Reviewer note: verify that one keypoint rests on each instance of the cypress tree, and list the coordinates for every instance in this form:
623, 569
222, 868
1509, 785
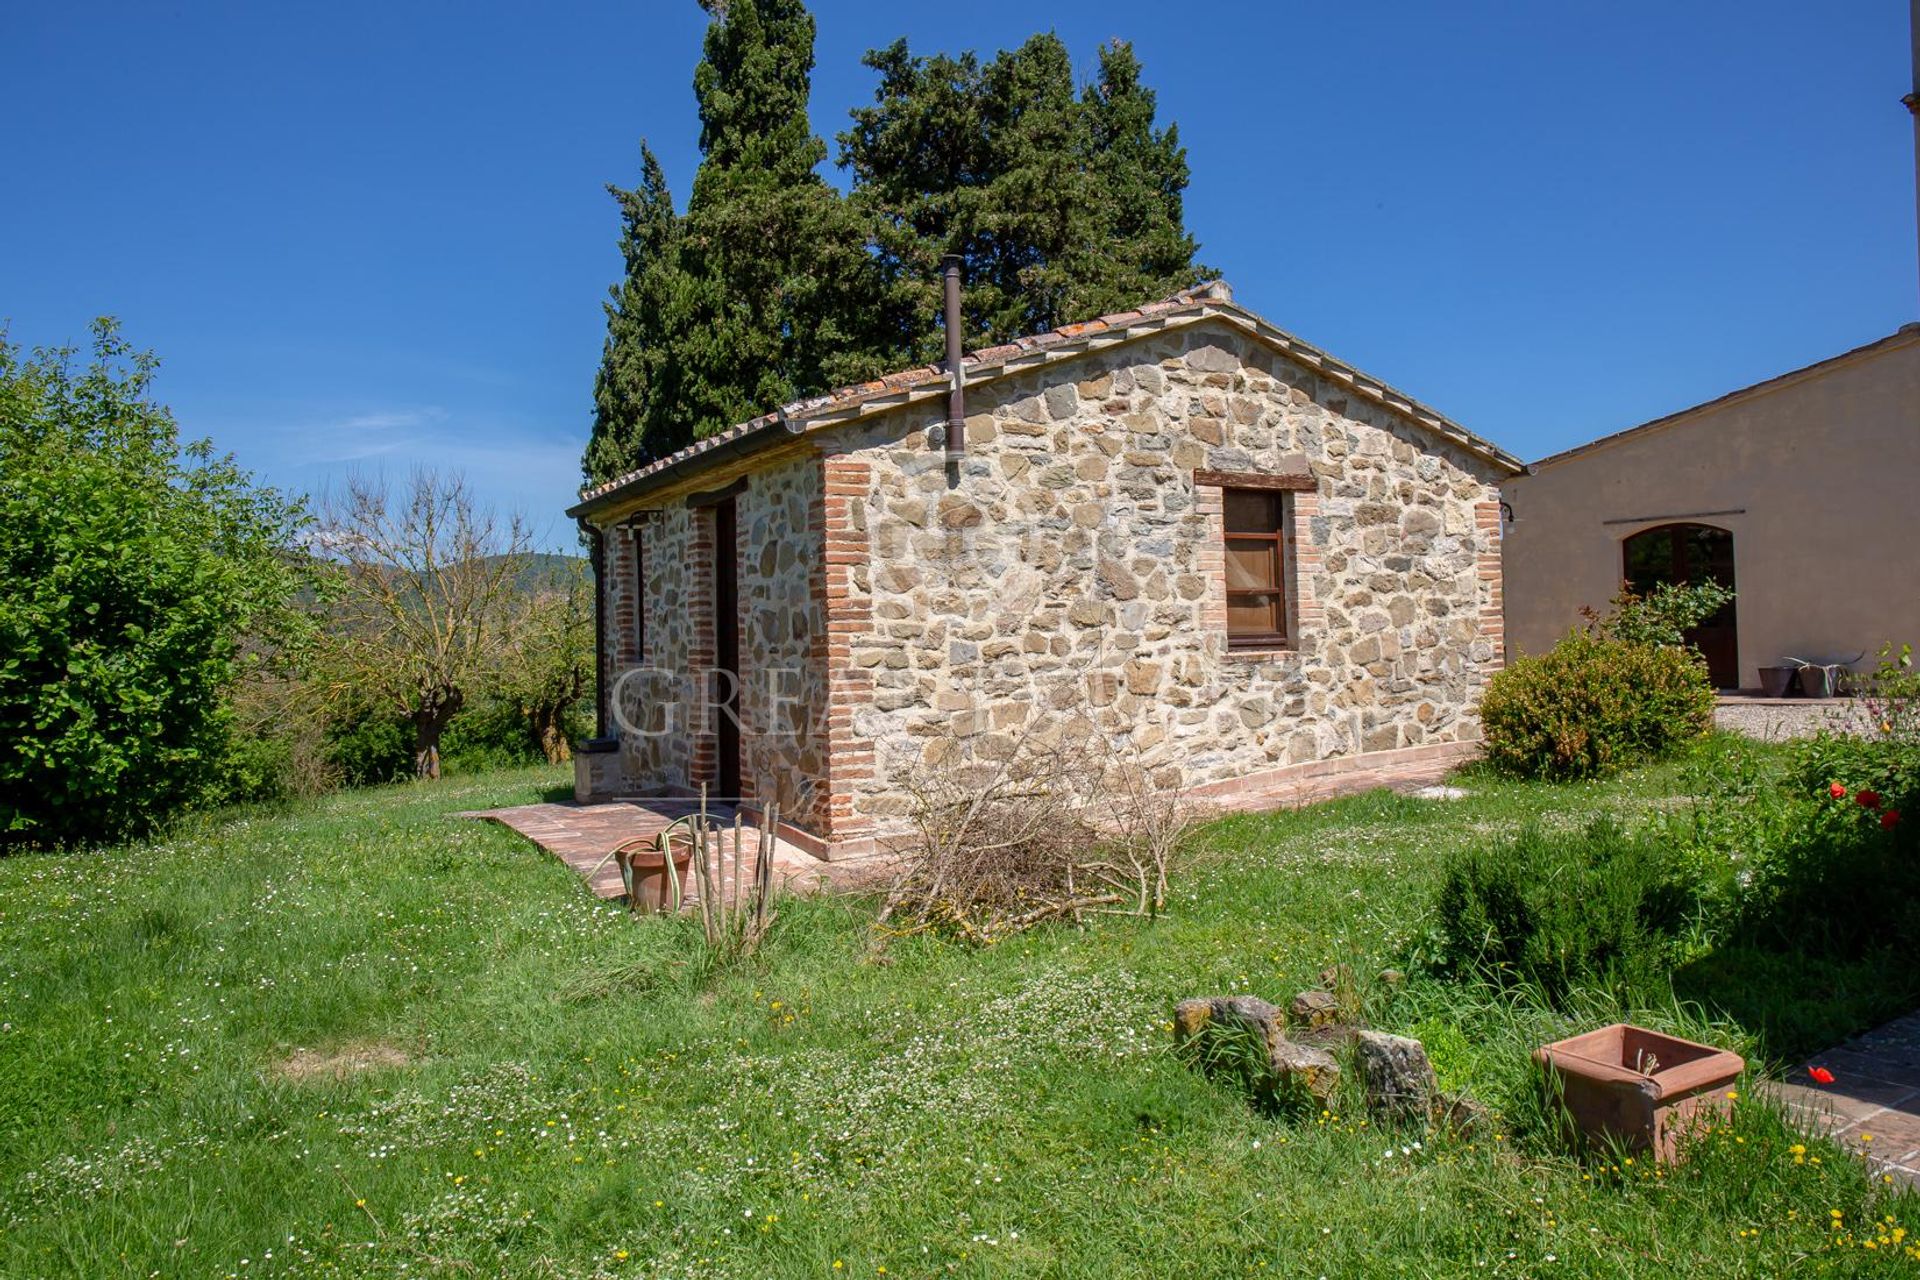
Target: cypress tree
774, 264
1062, 206
1063, 203
1138, 174
634, 365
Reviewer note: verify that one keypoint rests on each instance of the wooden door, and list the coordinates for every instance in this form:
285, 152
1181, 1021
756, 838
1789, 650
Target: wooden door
1688, 553
726, 648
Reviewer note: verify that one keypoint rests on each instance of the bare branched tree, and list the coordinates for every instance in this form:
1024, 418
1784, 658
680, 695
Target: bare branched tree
424, 603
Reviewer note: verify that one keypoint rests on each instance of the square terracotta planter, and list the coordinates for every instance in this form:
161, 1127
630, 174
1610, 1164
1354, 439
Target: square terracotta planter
1638, 1087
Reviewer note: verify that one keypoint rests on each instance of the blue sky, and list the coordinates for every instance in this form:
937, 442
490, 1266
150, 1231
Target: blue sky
374, 234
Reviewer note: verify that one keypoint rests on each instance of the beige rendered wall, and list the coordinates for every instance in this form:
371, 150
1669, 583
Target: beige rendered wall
1823, 471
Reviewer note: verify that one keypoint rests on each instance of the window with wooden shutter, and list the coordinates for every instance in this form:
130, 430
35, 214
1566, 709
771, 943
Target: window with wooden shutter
1256, 547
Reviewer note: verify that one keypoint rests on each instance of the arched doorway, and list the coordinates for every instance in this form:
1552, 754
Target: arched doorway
1682, 554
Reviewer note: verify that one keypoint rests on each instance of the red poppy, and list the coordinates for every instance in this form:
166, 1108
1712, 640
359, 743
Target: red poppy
1868, 799
1820, 1075
1837, 791
1889, 818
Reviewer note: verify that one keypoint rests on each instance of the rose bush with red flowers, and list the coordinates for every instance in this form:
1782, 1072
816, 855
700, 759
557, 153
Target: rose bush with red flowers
1842, 869
1817, 860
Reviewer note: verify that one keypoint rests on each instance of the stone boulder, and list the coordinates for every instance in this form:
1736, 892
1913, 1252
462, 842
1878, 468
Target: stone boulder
1275, 1069
1314, 1009
1305, 1068
1396, 1074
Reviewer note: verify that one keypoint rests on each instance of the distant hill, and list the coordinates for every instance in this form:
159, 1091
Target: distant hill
543, 571
547, 569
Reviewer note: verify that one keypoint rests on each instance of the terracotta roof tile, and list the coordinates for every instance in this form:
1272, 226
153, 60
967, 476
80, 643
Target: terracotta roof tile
1193, 299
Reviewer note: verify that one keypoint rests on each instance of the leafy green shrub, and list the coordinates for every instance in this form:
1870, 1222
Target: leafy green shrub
1662, 616
1843, 877
367, 747
139, 579
1890, 696
491, 734
1562, 911
1590, 705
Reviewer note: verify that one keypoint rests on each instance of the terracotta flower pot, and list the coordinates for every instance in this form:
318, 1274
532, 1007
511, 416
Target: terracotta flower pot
1638, 1087
645, 874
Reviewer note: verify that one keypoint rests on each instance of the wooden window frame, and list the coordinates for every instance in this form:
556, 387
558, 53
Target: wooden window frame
1282, 560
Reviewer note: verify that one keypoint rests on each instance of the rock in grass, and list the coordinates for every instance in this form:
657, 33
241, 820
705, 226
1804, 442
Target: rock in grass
1314, 1009
1301, 1068
1246, 1037
1396, 1073
1460, 1115
1191, 1018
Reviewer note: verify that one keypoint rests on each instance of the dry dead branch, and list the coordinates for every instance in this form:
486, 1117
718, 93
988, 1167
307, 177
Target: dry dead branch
1061, 824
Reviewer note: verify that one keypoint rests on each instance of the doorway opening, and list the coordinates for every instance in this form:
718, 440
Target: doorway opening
1684, 554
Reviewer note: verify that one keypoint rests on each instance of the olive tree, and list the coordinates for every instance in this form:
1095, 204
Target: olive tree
551, 666
423, 603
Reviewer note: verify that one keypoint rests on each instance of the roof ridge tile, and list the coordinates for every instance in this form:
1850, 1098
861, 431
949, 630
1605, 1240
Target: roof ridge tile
1199, 295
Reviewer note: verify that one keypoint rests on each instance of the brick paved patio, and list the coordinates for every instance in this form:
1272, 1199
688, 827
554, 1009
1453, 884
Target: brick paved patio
1873, 1104
581, 835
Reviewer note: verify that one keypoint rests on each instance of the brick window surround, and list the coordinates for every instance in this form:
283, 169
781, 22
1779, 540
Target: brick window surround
1257, 567
1295, 494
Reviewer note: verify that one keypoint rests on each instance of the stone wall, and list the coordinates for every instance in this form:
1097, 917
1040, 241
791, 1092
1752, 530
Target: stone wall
782, 630
668, 742
652, 689
1073, 562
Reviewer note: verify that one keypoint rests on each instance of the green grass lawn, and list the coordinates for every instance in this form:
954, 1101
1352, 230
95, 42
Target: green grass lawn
530, 1083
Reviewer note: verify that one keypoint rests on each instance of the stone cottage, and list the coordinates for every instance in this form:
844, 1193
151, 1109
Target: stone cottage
1251, 564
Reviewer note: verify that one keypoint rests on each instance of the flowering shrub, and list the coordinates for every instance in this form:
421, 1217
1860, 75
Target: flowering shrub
1825, 853
1593, 704
1662, 616
1891, 695
1842, 875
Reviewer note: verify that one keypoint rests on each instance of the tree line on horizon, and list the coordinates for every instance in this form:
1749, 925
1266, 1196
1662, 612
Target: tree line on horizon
1063, 201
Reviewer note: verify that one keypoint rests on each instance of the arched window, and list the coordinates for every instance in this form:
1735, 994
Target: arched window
1688, 553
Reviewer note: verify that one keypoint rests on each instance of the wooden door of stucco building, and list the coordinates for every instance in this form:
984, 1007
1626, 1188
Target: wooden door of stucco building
1688, 553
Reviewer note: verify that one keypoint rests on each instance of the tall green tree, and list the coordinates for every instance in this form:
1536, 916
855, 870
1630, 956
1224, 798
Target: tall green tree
139, 578
774, 263
1062, 204
635, 369
1138, 177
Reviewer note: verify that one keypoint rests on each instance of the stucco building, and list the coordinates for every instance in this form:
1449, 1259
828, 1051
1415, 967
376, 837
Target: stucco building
1799, 492
1242, 558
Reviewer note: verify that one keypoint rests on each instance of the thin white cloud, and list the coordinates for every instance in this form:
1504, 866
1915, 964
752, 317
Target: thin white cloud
362, 437
390, 420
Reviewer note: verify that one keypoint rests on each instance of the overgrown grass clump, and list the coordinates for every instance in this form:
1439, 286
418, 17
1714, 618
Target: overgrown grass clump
1557, 910
366, 1038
